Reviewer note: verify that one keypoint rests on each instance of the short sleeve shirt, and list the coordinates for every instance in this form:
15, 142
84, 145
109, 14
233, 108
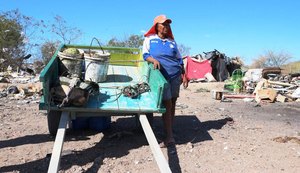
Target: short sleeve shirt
166, 52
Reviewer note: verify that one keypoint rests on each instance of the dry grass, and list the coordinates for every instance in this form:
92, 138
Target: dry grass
293, 67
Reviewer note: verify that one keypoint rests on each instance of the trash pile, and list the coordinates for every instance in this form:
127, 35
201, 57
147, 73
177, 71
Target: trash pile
213, 66
261, 85
25, 86
277, 87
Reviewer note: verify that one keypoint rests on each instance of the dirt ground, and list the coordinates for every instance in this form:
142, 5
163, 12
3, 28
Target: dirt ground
211, 136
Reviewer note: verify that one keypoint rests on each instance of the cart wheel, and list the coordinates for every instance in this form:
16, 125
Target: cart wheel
53, 118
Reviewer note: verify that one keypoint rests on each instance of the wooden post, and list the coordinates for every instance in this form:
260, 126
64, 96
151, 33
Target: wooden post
156, 151
58, 144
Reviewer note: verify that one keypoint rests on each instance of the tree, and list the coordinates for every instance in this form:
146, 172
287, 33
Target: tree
184, 51
259, 62
20, 33
114, 42
11, 42
277, 59
48, 49
271, 59
66, 33
134, 41
38, 65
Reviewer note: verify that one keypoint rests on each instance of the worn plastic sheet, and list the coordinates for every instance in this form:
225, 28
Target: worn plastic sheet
197, 69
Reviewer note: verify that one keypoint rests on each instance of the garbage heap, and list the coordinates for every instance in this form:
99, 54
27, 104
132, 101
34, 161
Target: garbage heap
20, 86
264, 85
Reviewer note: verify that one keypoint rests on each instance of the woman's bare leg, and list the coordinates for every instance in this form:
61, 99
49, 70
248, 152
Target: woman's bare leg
167, 121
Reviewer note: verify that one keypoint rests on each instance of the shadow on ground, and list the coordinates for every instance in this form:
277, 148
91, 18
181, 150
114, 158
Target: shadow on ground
124, 133
188, 129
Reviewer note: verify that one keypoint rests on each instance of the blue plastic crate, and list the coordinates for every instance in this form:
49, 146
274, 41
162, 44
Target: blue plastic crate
80, 123
99, 123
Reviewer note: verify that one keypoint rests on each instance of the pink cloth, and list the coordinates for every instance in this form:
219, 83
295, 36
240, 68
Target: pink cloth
196, 69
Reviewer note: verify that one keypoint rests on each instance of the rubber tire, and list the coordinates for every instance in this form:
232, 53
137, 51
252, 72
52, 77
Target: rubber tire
53, 118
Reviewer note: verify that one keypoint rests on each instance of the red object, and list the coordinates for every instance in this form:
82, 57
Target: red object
159, 19
197, 69
239, 96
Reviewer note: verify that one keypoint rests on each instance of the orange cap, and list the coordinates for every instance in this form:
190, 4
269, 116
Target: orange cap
159, 19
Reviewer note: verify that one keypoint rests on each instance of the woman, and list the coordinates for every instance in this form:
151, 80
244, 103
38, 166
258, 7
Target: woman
160, 48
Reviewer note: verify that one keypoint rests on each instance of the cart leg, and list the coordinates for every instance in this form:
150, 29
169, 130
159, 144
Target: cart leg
58, 144
150, 118
156, 151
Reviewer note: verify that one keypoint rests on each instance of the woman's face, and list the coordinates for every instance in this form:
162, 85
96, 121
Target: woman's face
163, 28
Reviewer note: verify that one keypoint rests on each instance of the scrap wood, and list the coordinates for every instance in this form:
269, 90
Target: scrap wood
266, 94
279, 83
281, 98
217, 94
239, 96
31, 87
289, 96
262, 83
28, 88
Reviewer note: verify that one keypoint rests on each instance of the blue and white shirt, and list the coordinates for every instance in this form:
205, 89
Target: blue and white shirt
166, 52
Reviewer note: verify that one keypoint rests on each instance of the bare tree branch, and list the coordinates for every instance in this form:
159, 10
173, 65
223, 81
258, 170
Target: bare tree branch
271, 59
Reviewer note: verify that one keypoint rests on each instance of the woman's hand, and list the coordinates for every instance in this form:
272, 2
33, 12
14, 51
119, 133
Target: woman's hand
185, 81
156, 64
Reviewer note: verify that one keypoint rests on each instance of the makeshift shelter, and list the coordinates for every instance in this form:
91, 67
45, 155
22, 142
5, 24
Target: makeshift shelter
197, 69
219, 64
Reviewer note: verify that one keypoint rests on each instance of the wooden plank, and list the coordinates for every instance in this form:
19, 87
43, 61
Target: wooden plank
281, 98
237, 96
58, 144
267, 94
156, 151
280, 83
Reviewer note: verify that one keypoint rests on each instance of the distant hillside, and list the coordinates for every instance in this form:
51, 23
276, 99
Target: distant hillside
293, 67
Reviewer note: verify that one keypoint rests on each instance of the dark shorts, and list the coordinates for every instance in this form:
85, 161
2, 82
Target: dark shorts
172, 90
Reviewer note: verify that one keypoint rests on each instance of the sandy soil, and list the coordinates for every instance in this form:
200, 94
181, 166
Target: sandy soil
211, 136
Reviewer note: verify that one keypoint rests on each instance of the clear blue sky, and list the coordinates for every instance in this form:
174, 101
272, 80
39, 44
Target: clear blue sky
246, 28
